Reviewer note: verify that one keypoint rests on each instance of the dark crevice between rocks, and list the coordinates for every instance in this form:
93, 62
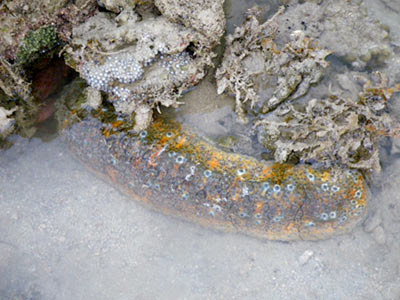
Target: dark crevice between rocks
48, 79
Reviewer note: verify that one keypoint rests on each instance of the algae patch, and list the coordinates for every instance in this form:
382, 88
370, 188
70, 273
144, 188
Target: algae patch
36, 43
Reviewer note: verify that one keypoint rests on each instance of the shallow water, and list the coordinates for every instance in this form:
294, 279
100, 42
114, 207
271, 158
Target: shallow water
65, 234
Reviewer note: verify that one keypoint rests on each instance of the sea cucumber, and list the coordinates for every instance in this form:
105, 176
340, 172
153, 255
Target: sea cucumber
174, 171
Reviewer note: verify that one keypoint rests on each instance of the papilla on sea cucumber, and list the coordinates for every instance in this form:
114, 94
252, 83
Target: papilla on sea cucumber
174, 171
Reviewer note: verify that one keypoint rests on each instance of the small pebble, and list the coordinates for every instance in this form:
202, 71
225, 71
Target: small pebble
305, 257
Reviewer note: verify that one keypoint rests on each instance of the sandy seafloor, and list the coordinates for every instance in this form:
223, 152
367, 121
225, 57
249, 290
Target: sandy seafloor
65, 234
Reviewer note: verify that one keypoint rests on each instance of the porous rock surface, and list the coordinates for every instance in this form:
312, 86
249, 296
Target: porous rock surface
142, 58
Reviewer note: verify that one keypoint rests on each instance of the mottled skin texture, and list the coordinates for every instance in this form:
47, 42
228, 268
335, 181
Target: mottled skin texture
175, 172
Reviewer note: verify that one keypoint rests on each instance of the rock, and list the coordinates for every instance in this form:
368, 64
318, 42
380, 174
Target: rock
343, 26
93, 98
32, 33
6, 121
141, 62
202, 15
305, 257
117, 5
257, 71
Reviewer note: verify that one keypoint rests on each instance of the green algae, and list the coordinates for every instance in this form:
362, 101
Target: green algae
36, 43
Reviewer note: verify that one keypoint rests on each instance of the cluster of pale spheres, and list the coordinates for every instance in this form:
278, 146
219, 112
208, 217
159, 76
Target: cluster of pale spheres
119, 70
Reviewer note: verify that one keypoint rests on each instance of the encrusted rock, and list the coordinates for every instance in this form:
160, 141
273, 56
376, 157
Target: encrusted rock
32, 31
118, 5
147, 60
272, 69
260, 72
333, 130
202, 15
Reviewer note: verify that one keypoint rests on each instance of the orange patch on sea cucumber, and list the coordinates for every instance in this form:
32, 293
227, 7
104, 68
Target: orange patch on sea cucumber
290, 226
325, 176
213, 163
164, 140
116, 124
259, 207
175, 171
266, 173
181, 142
106, 133
152, 160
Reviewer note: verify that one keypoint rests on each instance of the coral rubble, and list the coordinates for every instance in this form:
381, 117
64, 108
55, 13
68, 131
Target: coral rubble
334, 130
271, 68
256, 70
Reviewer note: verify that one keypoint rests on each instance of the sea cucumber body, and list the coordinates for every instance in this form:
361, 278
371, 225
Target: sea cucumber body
172, 170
